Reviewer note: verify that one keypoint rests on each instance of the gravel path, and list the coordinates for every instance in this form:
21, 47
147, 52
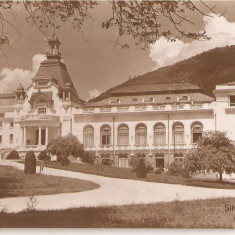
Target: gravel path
112, 191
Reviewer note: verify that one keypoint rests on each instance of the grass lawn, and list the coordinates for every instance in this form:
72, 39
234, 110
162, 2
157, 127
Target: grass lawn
126, 173
190, 214
14, 182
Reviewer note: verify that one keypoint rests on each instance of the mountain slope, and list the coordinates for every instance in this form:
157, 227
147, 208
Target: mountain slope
207, 69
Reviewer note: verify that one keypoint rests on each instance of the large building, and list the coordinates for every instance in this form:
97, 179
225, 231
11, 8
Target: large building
161, 121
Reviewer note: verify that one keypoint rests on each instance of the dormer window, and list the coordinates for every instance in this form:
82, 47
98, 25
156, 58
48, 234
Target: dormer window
42, 110
148, 100
42, 83
232, 100
116, 101
66, 95
184, 97
135, 99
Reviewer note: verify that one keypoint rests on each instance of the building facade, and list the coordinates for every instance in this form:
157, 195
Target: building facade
160, 121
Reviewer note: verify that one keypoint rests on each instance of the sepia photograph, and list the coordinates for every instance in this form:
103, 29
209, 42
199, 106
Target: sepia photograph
117, 114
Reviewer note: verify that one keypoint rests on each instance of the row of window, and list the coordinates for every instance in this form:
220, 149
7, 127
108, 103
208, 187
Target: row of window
178, 134
11, 137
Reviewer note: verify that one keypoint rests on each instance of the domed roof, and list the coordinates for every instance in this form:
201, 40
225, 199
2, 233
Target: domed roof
53, 39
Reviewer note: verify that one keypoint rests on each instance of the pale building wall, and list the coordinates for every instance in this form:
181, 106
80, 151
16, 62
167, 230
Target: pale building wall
225, 115
206, 118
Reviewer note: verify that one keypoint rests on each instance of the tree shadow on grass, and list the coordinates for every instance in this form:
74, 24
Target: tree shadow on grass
71, 218
8, 182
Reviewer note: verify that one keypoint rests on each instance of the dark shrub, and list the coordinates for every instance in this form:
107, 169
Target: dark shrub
141, 169
134, 163
64, 160
149, 166
43, 156
176, 168
106, 161
88, 157
30, 163
159, 170
13, 155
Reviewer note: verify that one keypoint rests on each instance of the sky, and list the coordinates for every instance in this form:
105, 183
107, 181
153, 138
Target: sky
93, 63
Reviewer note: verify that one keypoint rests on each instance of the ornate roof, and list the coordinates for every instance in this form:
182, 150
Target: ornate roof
56, 70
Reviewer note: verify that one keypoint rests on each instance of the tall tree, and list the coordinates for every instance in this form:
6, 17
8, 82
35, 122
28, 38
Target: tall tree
65, 146
215, 152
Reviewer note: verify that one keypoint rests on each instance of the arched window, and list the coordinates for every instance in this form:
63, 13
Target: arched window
123, 135
196, 132
88, 136
106, 135
178, 133
141, 135
159, 134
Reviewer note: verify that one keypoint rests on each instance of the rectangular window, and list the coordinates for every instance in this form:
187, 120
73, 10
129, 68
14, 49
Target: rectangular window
179, 159
141, 139
232, 100
178, 137
0, 139
0, 124
42, 110
11, 138
11, 124
123, 139
159, 138
105, 140
88, 140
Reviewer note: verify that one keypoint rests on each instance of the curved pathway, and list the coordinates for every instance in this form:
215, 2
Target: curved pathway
112, 191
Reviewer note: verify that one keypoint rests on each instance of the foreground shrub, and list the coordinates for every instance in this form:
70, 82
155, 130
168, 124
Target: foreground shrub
107, 162
141, 169
176, 168
64, 160
43, 156
66, 146
149, 166
30, 163
159, 170
133, 162
88, 157
13, 155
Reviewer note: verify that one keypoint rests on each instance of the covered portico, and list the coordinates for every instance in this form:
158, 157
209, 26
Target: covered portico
38, 131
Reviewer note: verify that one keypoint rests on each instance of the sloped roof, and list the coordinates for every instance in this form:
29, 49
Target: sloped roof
57, 70
142, 88
157, 99
7, 99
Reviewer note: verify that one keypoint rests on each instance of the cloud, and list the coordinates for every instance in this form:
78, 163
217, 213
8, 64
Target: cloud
36, 61
94, 93
219, 29
10, 79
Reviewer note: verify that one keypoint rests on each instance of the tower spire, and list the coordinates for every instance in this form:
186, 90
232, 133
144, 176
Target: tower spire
53, 51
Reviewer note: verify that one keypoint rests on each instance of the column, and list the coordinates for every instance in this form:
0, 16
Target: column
46, 137
39, 135
24, 135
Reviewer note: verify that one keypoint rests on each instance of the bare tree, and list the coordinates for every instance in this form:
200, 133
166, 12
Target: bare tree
143, 20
